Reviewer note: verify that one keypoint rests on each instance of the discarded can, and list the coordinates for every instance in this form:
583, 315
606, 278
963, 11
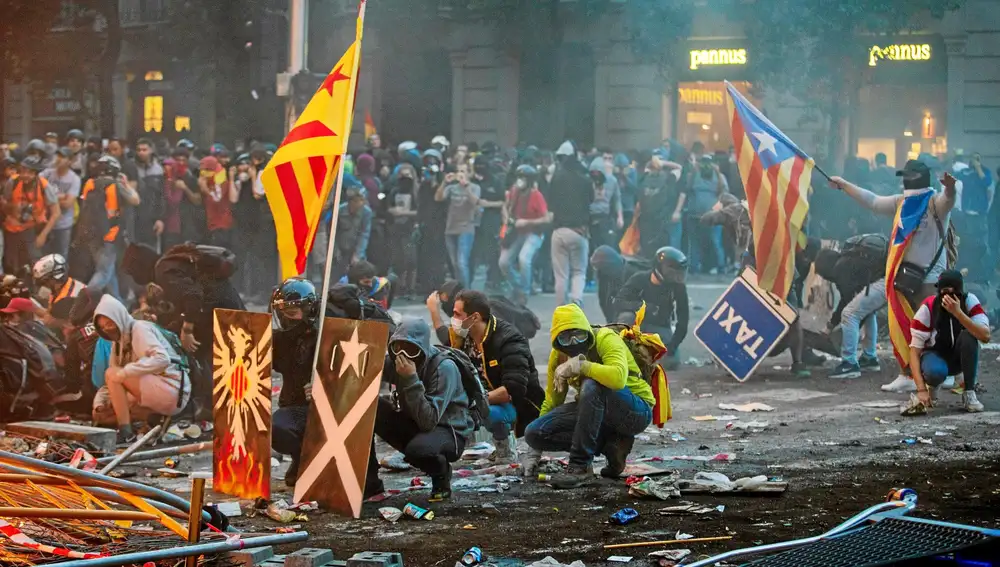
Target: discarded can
544, 477
170, 463
473, 557
624, 516
418, 513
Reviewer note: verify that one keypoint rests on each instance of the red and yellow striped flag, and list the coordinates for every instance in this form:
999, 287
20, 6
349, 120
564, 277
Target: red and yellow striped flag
299, 177
370, 129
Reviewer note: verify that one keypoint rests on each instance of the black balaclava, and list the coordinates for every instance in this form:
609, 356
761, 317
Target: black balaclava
947, 326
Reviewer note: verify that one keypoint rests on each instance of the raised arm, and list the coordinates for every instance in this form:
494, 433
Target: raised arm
885, 206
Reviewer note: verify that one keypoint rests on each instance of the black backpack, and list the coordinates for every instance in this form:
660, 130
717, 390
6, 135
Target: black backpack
865, 255
479, 406
28, 375
346, 301
521, 317
211, 262
93, 223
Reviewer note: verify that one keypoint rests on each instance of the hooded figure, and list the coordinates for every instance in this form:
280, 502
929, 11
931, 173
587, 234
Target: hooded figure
613, 402
612, 271
144, 371
432, 420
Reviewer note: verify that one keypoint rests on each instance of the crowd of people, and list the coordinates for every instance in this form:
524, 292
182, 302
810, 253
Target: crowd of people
117, 258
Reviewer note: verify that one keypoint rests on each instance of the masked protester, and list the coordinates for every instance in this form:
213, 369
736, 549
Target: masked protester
377, 289
706, 185
946, 332
183, 213
403, 232
99, 229
664, 293
923, 238
525, 215
52, 272
462, 195
613, 403
218, 193
433, 266
506, 367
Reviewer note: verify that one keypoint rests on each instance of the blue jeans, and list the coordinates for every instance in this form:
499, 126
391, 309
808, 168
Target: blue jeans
459, 252
706, 238
581, 427
675, 230
936, 366
861, 311
105, 265
502, 418
515, 262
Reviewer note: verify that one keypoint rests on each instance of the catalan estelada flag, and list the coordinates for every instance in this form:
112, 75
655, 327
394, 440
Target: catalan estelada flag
777, 177
300, 175
652, 347
911, 210
370, 129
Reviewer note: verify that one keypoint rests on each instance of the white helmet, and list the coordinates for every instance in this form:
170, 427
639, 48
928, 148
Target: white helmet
51, 267
440, 140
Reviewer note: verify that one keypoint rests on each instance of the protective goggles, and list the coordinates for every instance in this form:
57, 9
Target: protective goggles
573, 337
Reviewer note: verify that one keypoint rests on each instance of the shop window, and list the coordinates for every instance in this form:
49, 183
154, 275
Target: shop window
152, 114
182, 123
154, 75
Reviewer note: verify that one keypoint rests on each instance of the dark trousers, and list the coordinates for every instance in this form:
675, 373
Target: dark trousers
936, 366
430, 451
288, 428
222, 237
19, 253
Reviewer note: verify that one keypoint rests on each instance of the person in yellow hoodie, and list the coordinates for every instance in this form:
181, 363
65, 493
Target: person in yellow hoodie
613, 403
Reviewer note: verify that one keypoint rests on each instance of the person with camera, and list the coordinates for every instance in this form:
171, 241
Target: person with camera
921, 231
31, 209
460, 227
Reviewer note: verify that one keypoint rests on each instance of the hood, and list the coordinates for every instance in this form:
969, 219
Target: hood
116, 311
597, 164
566, 149
567, 317
406, 166
416, 331
365, 165
606, 258
621, 160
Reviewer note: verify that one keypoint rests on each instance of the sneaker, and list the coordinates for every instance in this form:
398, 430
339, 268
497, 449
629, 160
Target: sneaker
810, 358
125, 435
948, 383
913, 407
972, 403
903, 384
529, 463
800, 370
503, 455
574, 477
869, 363
845, 370
616, 450
292, 474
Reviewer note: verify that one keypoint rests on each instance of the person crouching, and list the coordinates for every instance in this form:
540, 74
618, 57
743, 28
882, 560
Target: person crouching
613, 403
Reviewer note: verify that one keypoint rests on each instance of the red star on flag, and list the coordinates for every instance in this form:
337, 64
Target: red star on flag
332, 78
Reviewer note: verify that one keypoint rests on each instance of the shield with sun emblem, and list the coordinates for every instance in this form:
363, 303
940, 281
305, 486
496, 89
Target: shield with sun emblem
241, 377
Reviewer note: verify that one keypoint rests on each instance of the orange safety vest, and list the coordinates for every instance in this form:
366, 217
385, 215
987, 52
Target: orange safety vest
70, 290
40, 212
110, 203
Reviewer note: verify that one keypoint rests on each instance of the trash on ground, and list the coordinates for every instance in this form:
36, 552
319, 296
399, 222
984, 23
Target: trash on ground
667, 557
552, 562
925, 441
743, 426
686, 508
677, 437
472, 557
715, 482
714, 417
880, 405
394, 462
391, 514
620, 559
624, 516
418, 513
683, 536
478, 451
230, 509
940, 433
686, 392
663, 489
746, 408
702, 396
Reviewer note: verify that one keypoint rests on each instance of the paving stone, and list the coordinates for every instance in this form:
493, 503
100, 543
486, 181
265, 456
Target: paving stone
100, 437
309, 557
252, 556
375, 559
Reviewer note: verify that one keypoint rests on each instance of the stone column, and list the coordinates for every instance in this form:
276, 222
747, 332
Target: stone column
458, 97
508, 94
955, 47
602, 83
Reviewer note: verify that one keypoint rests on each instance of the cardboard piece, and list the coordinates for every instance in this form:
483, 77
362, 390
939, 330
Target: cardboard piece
241, 378
334, 460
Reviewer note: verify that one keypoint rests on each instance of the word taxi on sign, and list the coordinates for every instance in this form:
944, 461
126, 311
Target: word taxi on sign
744, 325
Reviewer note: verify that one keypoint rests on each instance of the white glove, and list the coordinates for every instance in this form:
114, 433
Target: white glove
569, 369
559, 382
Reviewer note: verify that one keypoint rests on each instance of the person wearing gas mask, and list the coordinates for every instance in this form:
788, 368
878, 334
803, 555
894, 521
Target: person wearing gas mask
402, 229
664, 293
613, 403
946, 335
433, 265
705, 186
921, 233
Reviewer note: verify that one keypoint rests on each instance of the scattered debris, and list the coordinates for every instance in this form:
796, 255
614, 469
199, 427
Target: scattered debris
880, 405
620, 559
924, 441
677, 437
478, 451
686, 392
940, 433
702, 396
668, 557
394, 462
663, 489
683, 536
230, 509
714, 417
758, 425
624, 516
551, 562
418, 513
686, 508
746, 408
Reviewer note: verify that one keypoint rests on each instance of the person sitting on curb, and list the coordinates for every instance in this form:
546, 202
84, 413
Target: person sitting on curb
945, 334
429, 419
144, 376
613, 403
506, 367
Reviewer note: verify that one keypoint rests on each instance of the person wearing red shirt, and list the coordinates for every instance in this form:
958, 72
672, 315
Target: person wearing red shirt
218, 194
525, 215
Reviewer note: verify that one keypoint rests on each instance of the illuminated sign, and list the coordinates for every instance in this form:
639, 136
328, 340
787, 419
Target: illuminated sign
921, 52
700, 57
701, 96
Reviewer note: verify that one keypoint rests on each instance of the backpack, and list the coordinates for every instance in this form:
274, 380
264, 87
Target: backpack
479, 406
93, 222
28, 374
346, 301
865, 255
521, 317
189, 365
645, 357
211, 262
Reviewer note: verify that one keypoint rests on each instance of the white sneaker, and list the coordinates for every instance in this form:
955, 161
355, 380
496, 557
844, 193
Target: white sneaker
901, 385
502, 455
948, 383
972, 403
529, 463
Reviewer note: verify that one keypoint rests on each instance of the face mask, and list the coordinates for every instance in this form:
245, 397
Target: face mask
244, 177
520, 184
574, 351
921, 182
457, 326
405, 183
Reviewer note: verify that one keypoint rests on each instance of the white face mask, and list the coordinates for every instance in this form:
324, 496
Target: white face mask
456, 325
244, 176
520, 184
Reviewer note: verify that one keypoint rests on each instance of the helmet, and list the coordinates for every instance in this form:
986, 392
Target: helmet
75, 134
432, 153
529, 173
671, 265
185, 143
35, 145
293, 304
51, 267
440, 141
108, 165
33, 163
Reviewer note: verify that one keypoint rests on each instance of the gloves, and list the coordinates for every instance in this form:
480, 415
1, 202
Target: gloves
569, 369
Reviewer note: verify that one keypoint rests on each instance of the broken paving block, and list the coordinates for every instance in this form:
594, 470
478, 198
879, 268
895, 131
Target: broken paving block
252, 556
308, 557
375, 559
101, 438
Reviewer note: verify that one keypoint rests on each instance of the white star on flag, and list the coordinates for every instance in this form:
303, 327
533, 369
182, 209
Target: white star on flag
765, 142
352, 354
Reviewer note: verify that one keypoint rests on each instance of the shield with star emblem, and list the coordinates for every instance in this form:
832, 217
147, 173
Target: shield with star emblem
241, 376
341, 419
